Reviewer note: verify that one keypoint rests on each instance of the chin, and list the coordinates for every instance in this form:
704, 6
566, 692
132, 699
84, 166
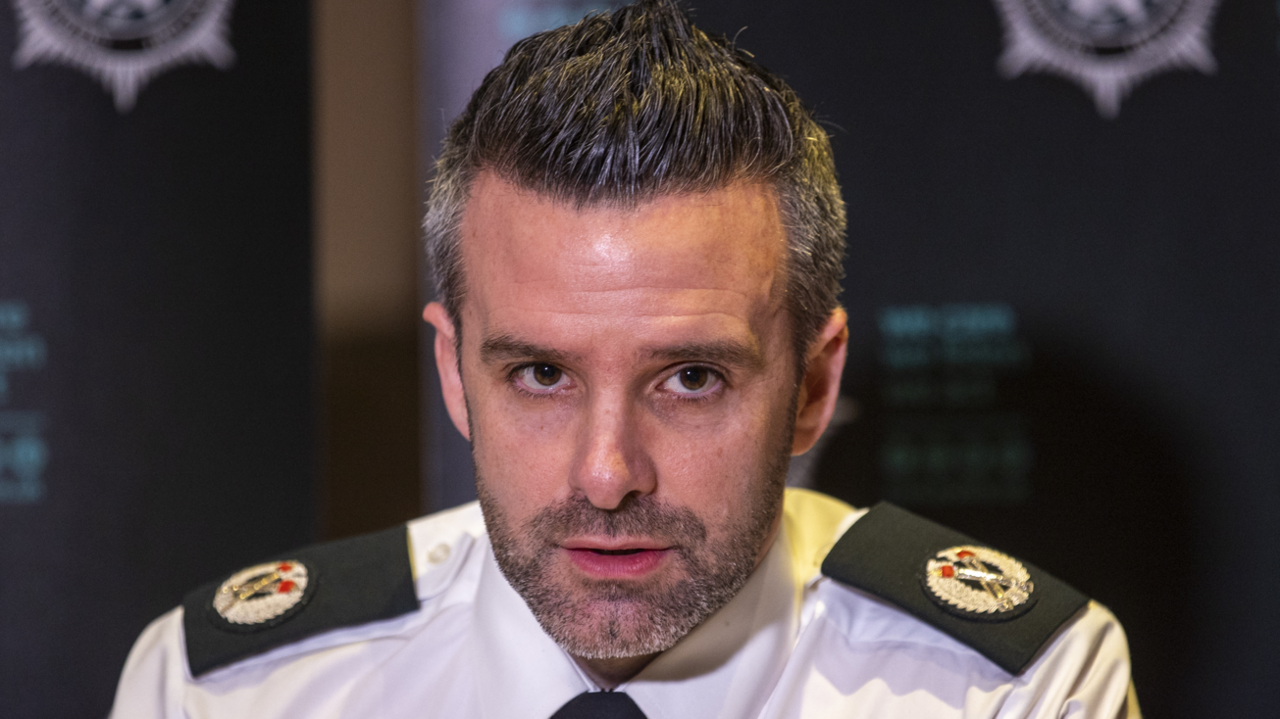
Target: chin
614, 620
614, 629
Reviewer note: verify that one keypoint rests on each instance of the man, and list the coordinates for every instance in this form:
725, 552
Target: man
637, 235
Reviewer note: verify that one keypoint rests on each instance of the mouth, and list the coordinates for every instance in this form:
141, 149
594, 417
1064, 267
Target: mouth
616, 559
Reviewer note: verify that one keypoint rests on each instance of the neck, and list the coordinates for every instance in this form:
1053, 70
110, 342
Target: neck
609, 673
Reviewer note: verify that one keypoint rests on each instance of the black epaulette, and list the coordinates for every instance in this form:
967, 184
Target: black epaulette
1005, 609
302, 593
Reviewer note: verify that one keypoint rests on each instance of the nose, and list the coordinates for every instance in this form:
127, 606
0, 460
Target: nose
611, 463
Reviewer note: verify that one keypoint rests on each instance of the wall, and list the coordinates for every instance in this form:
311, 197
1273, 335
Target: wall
367, 247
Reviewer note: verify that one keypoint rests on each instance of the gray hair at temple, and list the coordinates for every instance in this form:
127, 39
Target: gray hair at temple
634, 104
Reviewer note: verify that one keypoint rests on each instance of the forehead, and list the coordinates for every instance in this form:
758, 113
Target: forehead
718, 252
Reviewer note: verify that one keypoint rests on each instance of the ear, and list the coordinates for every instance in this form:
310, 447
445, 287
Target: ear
447, 365
820, 385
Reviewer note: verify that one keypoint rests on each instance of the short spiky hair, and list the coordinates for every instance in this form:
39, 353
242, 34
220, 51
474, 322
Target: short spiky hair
633, 104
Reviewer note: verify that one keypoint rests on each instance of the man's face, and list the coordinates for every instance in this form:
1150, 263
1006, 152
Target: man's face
628, 385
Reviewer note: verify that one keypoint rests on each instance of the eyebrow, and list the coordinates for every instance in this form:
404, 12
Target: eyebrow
725, 352
502, 347
505, 347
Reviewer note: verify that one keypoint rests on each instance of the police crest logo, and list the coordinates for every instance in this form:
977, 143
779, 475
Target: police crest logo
1108, 47
263, 595
123, 43
978, 583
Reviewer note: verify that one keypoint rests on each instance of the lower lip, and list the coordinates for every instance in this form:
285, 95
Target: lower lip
617, 566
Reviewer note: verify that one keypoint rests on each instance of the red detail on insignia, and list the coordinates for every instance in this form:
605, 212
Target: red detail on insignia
948, 571
285, 587
964, 554
284, 567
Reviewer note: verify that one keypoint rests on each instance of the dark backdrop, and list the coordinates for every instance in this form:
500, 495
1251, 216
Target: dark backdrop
1064, 329
160, 261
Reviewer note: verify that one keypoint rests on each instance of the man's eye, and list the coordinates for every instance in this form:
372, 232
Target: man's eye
546, 375
539, 377
693, 380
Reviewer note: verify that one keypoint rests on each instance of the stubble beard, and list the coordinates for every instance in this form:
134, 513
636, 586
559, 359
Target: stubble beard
603, 619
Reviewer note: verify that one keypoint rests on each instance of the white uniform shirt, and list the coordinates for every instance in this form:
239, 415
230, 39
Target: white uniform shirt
791, 644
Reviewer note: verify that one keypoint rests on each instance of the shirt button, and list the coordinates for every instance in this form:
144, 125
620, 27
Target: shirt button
438, 553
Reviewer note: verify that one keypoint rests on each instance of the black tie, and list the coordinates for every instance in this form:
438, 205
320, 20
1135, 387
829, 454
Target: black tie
600, 705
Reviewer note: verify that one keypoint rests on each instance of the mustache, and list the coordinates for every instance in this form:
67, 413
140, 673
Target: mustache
636, 516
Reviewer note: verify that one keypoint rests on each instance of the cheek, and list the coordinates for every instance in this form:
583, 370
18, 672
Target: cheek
522, 454
715, 470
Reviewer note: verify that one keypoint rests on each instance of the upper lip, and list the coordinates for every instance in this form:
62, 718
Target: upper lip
613, 544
